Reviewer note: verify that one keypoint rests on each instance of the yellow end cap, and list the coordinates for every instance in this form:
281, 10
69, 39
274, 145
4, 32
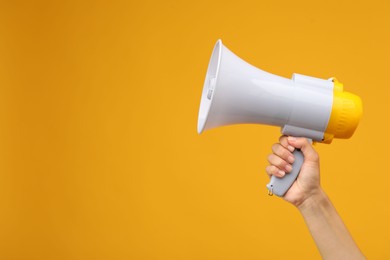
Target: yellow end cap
345, 116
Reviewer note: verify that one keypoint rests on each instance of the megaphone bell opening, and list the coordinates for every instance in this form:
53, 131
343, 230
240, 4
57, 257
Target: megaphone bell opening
209, 86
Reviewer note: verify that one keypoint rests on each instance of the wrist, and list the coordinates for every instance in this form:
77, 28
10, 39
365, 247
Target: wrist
317, 198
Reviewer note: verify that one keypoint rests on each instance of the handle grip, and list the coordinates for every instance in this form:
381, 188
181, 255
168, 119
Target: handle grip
280, 185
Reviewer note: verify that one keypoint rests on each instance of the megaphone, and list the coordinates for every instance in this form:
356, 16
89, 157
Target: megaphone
236, 92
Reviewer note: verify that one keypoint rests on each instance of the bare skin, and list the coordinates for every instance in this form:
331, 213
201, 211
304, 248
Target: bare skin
331, 236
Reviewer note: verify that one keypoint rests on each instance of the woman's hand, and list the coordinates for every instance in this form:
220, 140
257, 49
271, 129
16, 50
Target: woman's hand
281, 159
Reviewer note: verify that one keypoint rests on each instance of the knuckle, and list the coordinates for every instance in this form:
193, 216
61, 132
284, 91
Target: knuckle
315, 157
276, 148
283, 140
273, 170
270, 170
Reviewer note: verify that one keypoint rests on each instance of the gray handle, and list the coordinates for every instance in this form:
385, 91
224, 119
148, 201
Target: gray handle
279, 186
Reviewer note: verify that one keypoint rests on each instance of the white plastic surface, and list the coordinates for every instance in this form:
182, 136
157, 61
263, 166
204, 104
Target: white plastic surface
236, 92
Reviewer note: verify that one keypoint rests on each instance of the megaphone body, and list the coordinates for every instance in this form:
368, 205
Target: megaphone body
236, 92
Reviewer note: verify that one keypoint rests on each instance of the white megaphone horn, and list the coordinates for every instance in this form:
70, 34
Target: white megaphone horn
236, 92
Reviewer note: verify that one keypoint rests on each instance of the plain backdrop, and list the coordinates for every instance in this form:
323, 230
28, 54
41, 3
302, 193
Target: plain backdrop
99, 153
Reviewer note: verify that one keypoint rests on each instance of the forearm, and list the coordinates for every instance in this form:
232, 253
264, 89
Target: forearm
331, 236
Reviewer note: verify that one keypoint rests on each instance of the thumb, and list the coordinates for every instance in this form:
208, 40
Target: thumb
307, 149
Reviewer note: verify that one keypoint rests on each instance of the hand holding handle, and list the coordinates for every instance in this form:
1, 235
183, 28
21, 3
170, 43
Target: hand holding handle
280, 185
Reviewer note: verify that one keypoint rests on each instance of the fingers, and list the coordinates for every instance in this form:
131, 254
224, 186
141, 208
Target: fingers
283, 140
283, 153
281, 158
280, 163
305, 146
273, 170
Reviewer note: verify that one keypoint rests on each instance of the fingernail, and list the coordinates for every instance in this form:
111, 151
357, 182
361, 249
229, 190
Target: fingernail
290, 148
288, 168
291, 159
281, 173
291, 138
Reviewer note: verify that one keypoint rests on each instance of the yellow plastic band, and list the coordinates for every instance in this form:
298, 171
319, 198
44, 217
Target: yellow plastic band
345, 115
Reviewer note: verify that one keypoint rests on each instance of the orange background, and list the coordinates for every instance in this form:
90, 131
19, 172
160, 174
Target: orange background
99, 154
